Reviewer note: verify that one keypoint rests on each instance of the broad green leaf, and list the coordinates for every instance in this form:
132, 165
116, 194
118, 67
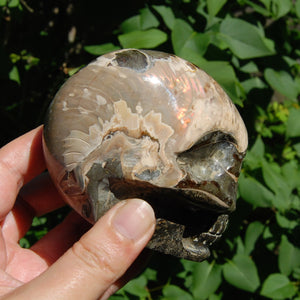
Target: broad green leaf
297, 148
214, 6
181, 32
285, 222
137, 286
147, 19
253, 83
291, 173
275, 181
273, 178
13, 3
195, 46
224, 74
150, 274
297, 6
14, 75
254, 192
269, 237
258, 8
23, 242
282, 82
215, 297
131, 24
241, 272
240, 248
293, 124
244, 39
278, 286
266, 3
166, 14
253, 232
100, 49
206, 278
118, 297
150, 38
281, 7
255, 155
289, 256
250, 67
173, 292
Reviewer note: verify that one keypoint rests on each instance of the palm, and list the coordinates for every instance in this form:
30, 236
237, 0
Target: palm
20, 161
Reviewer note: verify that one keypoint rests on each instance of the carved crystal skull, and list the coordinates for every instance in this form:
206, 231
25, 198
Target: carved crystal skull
150, 125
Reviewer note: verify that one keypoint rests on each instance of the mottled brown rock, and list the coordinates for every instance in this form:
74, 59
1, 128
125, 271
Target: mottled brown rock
147, 124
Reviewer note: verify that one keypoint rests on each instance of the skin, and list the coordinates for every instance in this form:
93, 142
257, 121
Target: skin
74, 260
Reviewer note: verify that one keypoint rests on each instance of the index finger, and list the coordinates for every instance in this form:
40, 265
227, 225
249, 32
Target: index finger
20, 161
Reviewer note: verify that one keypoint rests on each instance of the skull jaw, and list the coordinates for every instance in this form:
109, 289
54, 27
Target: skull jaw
169, 238
183, 229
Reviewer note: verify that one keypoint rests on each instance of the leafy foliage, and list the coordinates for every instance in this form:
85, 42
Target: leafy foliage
252, 49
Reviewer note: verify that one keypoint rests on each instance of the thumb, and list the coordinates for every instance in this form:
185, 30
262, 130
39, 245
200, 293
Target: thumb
99, 258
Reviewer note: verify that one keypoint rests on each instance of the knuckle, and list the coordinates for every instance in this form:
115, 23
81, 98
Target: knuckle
96, 260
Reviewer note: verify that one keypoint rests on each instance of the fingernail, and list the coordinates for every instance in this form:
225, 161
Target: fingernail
134, 219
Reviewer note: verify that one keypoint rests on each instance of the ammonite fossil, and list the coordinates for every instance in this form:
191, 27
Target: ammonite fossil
147, 124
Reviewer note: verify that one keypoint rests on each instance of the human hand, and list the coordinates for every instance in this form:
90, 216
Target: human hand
59, 266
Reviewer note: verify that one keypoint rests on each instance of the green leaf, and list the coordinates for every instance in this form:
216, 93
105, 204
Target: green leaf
195, 46
297, 7
284, 222
291, 173
137, 286
267, 3
131, 24
250, 67
215, 297
253, 232
293, 124
282, 82
166, 14
258, 8
147, 19
278, 286
24, 243
241, 272
297, 148
244, 39
150, 274
118, 297
224, 74
173, 292
254, 192
206, 279
274, 179
13, 3
14, 75
181, 32
100, 49
253, 83
289, 256
281, 7
150, 38
214, 6
276, 183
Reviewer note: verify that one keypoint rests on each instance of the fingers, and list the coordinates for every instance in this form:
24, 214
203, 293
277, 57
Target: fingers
36, 198
41, 195
56, 242
20, 161
99, 258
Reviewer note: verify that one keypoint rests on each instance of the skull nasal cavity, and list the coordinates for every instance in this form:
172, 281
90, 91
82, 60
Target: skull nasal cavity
132, 59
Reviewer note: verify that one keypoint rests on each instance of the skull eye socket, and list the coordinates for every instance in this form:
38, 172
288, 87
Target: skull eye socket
212, 165
212, 138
